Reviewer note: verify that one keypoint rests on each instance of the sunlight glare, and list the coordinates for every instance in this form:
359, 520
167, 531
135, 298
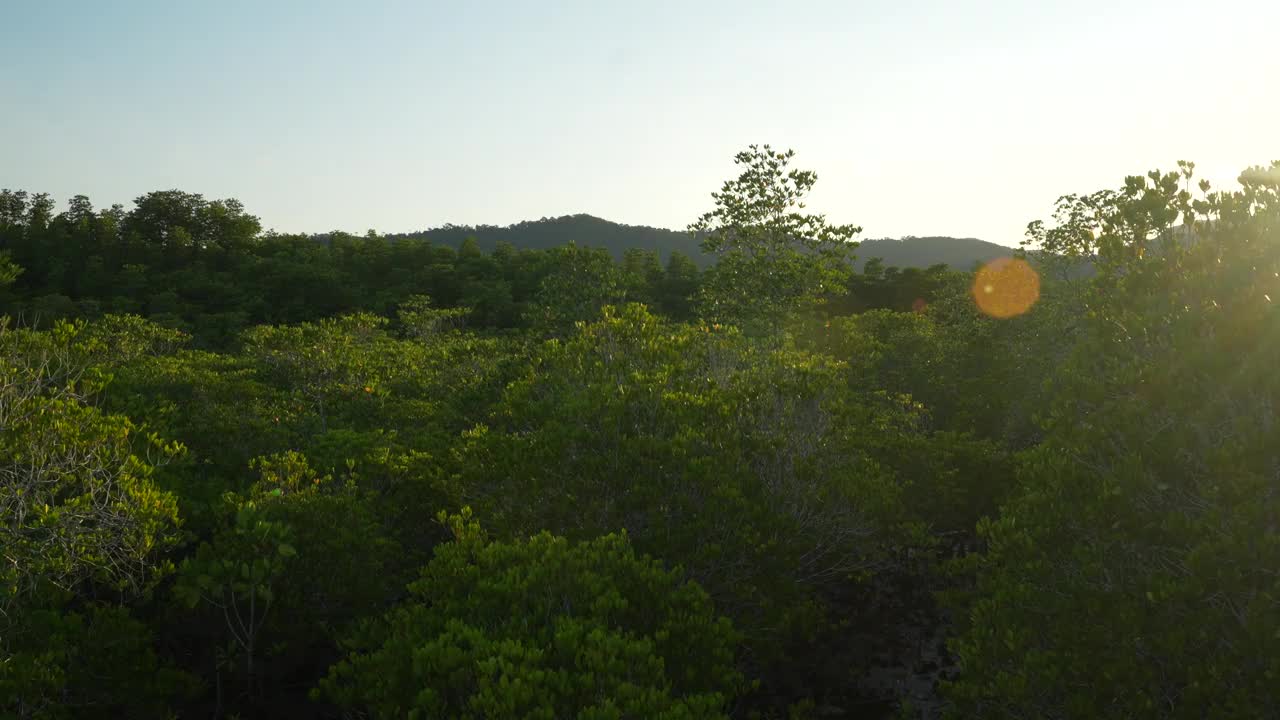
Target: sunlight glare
1006, 287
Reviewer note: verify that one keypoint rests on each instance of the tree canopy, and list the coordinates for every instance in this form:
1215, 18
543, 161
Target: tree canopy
246, 474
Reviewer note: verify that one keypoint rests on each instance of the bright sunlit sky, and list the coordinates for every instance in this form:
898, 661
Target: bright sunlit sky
921, 117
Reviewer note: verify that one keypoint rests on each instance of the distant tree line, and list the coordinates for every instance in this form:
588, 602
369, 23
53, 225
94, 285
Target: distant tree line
205, 267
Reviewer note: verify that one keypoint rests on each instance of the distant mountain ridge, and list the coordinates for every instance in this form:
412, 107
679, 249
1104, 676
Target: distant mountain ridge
921, 252
591, 231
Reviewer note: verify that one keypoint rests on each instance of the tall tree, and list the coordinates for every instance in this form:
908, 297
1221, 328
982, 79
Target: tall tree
774, 260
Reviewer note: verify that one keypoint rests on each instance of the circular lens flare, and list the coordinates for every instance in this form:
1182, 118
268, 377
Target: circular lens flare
1006, 287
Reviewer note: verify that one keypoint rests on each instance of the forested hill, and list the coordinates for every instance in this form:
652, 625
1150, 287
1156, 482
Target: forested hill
590, 231
923, 252
581, 229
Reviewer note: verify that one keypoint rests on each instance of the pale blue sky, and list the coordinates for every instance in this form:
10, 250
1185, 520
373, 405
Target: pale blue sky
920, 116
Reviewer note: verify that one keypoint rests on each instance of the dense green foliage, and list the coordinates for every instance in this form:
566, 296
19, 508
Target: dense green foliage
1134, 574
542, 628
245, 474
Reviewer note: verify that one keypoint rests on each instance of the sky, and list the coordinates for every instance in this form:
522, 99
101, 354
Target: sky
920, 117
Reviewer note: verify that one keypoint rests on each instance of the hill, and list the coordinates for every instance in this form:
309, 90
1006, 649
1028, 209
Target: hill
921, 252
581, 229
591, 231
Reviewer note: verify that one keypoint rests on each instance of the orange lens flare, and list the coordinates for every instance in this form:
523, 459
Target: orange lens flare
1006, 287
